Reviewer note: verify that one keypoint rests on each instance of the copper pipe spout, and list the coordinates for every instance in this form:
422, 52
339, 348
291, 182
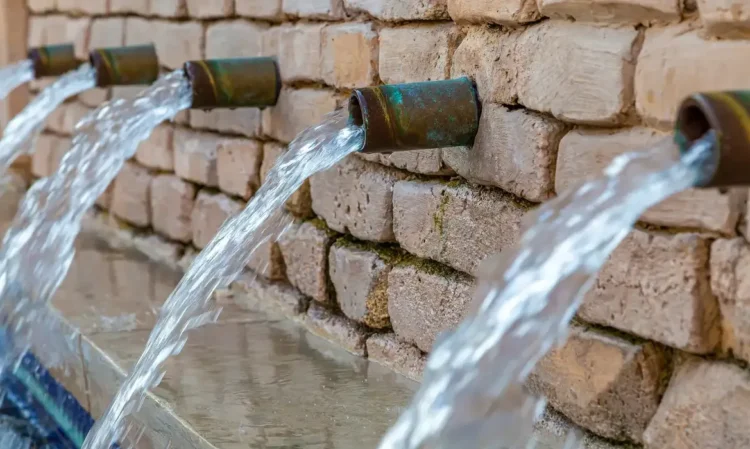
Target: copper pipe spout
53, 60
234, 83
124, 66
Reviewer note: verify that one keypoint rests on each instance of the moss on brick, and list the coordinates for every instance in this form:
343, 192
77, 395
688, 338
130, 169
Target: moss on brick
439, 216
320, 224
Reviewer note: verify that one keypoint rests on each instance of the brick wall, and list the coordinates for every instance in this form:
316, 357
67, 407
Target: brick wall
384, 252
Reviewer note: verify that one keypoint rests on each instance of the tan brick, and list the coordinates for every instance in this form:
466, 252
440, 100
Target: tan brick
427, 48
404, 358
299, 50
705, 407
89, 7
514, 150
176, 42
360, 278
336, 329
585, 153
730, 282
481, 11
426, 162
553, 430
357, 197
725, 18
94, 97
208, 9
195, 156
267, 259
56, 119
168, 8
657, 287
140, 7
38, 6
249, 290
238, 166
604, 383
305, 250
676, 62
350, 55
57, 29
315, 9
234, 39
245, 121
297, 110
400, 10
259, 9
425, 300
74, 113
211, 210
300, 203
612, 11
158, 150
105, 199
172, 201
457, 225
131, 195
107, 32
47, 146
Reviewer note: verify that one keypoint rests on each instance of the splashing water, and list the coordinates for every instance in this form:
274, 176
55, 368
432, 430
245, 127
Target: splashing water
39, 247
472, 393
14, 75
29, 122
189, 306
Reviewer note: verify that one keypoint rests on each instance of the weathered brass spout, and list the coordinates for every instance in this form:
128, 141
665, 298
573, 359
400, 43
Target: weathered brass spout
728, 115
416, 116
53, 60
124, 66
234, 83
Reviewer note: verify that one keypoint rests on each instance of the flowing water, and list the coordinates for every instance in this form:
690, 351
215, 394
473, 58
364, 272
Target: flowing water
14, 75
189, 306
472, 393
17, 136
39, 246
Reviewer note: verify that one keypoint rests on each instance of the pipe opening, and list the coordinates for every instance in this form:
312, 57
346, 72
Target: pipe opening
693, 123
355, 111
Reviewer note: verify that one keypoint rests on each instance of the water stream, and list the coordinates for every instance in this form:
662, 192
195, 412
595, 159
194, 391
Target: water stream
18, 135
472, 393
190, 306
14, 75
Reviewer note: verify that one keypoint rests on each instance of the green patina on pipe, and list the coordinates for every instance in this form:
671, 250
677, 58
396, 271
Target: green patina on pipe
234, 83
124, 66
53, 60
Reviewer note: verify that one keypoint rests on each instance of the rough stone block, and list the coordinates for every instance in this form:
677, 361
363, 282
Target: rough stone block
94, 97
676, 62
401, 10
131, 195
58, 29
314, 9
401, 357
208, 9
74, 113
730, 282
107, 32
360, 278
85, 7
427, 48
45, 157
606, 384
245, 121
350, 55
195, 156
336, 329
426, 299
305, 250
657, 287
425, 162
172, 201
211, 210
725, 18
168, 8
41, 6
238, 166
267, 259
259, 9
356, 197
158, 151
514, 150
457, 225
705, 407
233, 39
140, 7
297, 110
585, 153
608, 11
176, 42
299, 50
300, 203
249, 289
105, 199
482, 11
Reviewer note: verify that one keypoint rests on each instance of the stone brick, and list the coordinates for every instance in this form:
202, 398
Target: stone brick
481, 11
725, 18
585, 153
131, 195
553, 430
401, 10
606, 384
41, 6
74, 112
176, 42
234, 39
168, 8
705, 407
314, 9
43, 161
676, 62
248, 290
259, 9
245, 121
336, 329
172, 202
730, 260
158, 150
483, 55
426, 162
207, 9
195, 156
140, 7
350, 55
57, 29
211, 210
300, 203
657, 287
514, 150
107, 32
88, 7
299, 50
617, 11
457, 225
426, 299
428, 48
360, 278
297, 110
105, 199
238, 166
356, 197
94, 97
388, 350
305, 250
267, 259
